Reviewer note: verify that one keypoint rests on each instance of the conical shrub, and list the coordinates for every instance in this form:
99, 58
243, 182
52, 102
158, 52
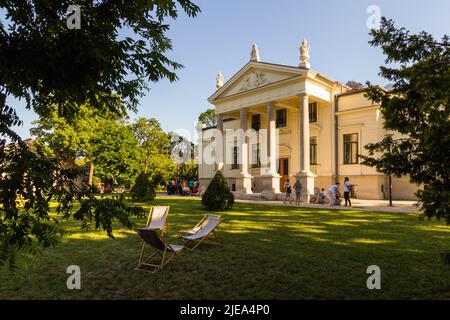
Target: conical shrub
218, 196
143, 189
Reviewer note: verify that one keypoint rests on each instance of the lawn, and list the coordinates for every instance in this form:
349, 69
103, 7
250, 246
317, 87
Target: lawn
266, 252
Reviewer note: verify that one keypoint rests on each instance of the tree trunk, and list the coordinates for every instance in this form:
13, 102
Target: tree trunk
91, 173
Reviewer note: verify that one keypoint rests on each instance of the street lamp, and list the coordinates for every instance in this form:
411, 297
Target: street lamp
389, 135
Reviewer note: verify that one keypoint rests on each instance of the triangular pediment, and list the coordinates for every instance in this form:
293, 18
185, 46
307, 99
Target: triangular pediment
256, 75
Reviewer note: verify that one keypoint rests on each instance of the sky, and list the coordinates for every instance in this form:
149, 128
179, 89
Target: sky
220, 39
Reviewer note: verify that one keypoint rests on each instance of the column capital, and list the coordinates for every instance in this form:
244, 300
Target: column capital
303, 95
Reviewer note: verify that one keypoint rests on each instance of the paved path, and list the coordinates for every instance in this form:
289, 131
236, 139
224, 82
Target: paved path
358, 204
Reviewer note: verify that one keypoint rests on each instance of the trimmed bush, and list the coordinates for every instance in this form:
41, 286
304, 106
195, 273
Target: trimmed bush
218, 196
143, 189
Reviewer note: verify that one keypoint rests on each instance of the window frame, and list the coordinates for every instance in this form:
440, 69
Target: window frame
256, 116
352, 146
313, 160
313, 107
235, 164
278, 119
258, 155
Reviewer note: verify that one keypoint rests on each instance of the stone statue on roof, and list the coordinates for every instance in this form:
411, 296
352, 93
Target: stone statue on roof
255, 53
304, 54
219, 80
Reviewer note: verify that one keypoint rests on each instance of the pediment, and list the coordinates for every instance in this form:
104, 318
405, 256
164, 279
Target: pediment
256, 75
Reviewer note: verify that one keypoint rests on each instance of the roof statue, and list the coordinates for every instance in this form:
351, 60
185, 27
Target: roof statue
255, 53
304, 55
219, 80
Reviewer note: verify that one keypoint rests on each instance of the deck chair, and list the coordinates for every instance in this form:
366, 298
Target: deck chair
157, 219
166, 251
203, 222
204, 231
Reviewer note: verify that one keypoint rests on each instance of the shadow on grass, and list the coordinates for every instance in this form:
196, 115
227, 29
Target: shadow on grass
266, 252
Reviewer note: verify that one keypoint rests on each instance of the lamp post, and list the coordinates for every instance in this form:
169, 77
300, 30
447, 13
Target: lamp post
389, 172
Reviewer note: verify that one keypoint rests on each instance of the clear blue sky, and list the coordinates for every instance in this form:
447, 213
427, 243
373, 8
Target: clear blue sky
220, 39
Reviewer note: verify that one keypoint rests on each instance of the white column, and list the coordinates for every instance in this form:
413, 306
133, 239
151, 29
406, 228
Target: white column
219, 142
271, 138
305, 175
244, 180
243, 148
304, 133
271, 180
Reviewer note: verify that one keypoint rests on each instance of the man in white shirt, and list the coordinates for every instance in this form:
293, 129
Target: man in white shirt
332, 192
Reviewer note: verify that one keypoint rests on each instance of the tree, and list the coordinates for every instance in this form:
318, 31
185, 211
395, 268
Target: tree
418, 108
72, 140
218, 195
143, 189
116, 154
45, 64
155, 149
209, 118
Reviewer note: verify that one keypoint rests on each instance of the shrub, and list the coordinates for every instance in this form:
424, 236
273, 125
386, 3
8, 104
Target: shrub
143, 189
218, 195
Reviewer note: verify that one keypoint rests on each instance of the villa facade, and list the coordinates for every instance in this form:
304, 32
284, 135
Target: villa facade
314, 129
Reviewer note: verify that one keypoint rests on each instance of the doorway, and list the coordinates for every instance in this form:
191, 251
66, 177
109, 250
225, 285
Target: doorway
283, 171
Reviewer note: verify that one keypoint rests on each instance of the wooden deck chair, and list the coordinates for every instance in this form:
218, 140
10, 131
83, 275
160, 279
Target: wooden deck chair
157, 219
166, 251
206, 233
203, 222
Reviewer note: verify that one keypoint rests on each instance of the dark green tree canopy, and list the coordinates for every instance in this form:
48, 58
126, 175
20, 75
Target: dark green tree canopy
54, 69
418, 107
45, 63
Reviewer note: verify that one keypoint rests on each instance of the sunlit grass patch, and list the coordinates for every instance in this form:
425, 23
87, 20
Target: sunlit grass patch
265, 251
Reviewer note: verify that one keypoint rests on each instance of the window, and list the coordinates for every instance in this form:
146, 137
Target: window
256, 160
351, 148
281, 118
235, 164
313, 151
312, 112
256, 122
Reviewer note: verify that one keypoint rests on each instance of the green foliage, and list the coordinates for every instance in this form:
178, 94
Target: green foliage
417, 107
26, 224
102, 139
116, 154
208, 118
48, 64
102, 212
143, 189
187, 171
218, 196
54, 69
155, 149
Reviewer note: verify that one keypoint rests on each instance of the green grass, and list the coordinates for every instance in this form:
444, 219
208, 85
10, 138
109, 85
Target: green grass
267, 252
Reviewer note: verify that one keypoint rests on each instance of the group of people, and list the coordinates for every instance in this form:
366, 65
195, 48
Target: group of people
182, 187
298, 191
333, 193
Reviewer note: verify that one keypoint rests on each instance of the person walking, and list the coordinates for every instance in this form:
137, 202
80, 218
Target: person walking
288, 188
347, 191
332, 191
298, 191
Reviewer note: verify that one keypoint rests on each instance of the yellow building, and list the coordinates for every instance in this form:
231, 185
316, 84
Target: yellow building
314, 129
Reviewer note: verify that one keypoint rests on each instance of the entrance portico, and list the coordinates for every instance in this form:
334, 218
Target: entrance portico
259, 98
